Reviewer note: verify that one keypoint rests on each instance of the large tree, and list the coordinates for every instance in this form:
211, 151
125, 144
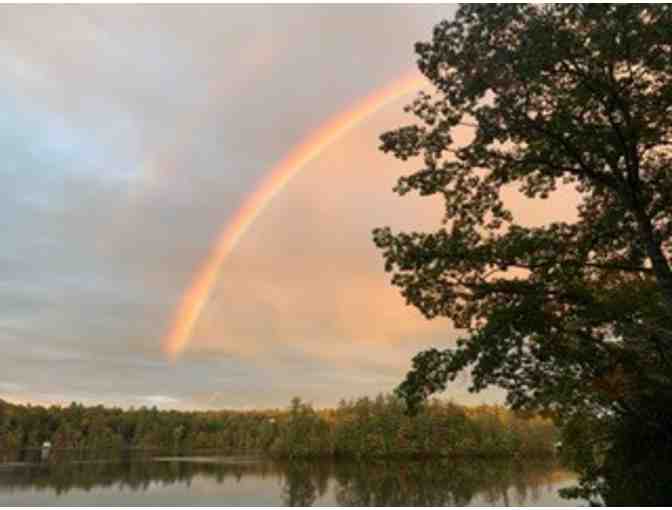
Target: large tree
573, 317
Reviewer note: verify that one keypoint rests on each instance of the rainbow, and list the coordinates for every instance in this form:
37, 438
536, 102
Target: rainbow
195, 298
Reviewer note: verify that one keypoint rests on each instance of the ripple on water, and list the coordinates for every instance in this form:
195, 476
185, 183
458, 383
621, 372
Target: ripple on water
211, 460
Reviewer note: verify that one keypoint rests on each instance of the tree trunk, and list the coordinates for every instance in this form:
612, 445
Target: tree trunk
659, 263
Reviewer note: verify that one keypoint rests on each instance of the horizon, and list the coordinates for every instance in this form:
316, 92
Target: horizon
442, 400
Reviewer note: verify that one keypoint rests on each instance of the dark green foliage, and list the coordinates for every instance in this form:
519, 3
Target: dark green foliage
625, 460
573, 318
371, 428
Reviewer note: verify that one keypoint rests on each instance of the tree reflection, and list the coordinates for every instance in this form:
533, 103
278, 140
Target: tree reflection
299, 488
454, 483
390, 483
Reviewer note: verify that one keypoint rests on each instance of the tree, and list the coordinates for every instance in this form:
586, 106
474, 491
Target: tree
573, 317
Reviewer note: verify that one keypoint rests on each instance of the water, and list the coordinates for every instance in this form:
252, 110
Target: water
155, 480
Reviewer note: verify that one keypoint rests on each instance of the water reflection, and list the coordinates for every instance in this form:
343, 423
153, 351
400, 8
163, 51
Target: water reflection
152, 479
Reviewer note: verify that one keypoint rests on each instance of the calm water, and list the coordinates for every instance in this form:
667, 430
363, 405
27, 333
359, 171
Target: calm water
67, 479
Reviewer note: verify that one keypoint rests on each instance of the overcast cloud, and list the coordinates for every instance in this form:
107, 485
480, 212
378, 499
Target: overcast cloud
131, 134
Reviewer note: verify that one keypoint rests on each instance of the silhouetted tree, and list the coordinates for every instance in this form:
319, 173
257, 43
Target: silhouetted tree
572, 317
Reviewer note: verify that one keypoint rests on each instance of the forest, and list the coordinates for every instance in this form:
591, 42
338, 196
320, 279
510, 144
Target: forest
361, 428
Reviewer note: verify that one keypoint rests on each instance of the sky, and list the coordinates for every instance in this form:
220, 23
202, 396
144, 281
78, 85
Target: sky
133, 135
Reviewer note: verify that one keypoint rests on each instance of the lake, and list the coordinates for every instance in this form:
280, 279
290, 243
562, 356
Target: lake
73, 479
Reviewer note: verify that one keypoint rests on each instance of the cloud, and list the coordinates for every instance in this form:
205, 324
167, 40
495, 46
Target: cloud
158, 400
131, 134
10, 387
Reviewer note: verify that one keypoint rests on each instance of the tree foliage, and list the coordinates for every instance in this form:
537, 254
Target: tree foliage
362, 428
572, 317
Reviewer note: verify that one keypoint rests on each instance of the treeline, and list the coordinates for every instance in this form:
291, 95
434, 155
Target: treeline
362, 428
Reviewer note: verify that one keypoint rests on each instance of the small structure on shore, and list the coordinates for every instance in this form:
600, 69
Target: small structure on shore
46, 449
